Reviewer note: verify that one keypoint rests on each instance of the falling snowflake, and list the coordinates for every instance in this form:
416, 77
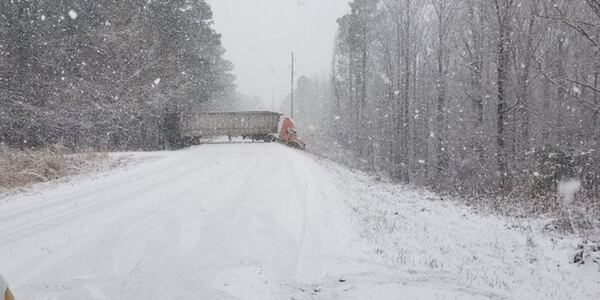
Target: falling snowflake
73, 14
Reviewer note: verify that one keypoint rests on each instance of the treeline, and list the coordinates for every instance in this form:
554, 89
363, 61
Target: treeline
106, 73
482, 97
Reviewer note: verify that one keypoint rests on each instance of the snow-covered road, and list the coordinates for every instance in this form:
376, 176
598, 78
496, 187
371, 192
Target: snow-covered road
256, 221
210, 222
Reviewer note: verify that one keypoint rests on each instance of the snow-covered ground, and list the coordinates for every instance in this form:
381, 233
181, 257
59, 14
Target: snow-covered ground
262, 221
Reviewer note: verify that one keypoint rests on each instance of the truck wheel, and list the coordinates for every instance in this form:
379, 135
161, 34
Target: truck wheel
296, 145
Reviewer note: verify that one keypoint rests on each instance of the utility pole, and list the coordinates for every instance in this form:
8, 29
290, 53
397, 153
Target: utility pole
292, 94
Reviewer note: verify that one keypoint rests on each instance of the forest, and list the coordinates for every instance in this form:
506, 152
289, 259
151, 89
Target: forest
106, 74
497, 98
473, 97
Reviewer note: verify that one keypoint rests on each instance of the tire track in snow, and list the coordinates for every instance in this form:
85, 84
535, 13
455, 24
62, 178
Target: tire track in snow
308, 268
69, 248
64, 212
235, 208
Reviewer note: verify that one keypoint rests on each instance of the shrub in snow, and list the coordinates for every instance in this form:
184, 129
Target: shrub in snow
552, 165
589, 168
587, 252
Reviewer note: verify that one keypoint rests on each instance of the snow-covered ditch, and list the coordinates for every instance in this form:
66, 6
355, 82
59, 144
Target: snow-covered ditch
435, 248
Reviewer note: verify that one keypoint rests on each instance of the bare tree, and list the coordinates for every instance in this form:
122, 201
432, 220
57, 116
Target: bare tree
528, 69
443, 14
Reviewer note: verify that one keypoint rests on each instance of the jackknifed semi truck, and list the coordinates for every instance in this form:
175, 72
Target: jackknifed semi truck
263, 126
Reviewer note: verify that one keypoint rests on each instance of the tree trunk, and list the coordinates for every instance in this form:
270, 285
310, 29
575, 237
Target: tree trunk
398, 159
442, 90
561, 93
477, 79
501, 105
596, 114
406, 96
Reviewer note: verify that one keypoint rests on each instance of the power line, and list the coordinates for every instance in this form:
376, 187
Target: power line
314, 34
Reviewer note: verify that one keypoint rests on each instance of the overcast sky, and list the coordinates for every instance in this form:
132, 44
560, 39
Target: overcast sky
259, 36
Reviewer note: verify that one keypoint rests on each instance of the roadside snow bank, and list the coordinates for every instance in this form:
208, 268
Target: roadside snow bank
443, 250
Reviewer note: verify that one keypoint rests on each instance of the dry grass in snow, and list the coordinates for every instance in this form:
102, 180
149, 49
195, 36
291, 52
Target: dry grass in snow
20, 168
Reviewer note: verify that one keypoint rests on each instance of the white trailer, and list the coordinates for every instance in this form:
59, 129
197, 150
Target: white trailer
259, 125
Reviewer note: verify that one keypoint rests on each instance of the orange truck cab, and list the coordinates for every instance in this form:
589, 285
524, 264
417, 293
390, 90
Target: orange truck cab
288, 135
